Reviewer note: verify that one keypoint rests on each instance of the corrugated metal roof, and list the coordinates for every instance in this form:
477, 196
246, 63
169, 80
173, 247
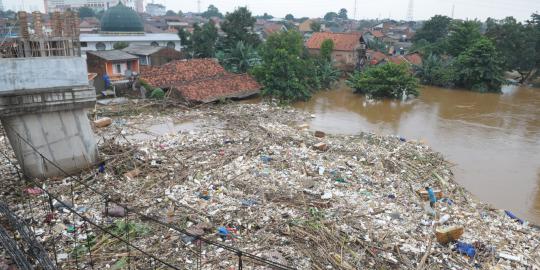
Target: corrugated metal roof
113, 55
145, 37
142, 49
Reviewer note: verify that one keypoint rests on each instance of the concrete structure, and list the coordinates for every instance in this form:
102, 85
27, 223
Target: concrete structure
349, 49
101, 42
121, 24
153, 56
64, 5
155, 9
44, 97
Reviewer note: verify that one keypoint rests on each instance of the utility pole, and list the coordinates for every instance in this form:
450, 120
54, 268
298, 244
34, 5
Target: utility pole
453, 7
199, 6
354, 15
410, 11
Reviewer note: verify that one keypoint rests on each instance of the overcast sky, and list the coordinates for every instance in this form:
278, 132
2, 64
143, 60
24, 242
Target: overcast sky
395, 9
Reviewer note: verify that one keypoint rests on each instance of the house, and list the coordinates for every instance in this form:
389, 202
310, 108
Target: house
349, 48
414, 59
199, 80
271, 28
113, 66
89, 25
153, 56
305, 27
375, 57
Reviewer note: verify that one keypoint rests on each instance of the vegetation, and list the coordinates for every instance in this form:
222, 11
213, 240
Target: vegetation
516, 43
157, 93
239, 59
170, 13
343, 14
203, 40
289, 17
315, 26
238, 26
265, 16
287, 73
120, 45
327, 46
212, 11
385, 81
479, 68
330, 16
435, 71
86, 12
456, 53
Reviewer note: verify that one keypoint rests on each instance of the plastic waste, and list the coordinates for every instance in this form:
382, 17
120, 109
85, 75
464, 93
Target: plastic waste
447, 200
465, 248
248, 202
444, 219
266, 159
514, 217
101, 168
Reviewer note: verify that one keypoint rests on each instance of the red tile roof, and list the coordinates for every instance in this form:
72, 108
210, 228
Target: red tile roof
377, 34
375, 56
202, 80
414, 58
342, 41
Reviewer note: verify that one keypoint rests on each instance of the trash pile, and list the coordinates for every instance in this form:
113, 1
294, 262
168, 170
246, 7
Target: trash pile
255, 177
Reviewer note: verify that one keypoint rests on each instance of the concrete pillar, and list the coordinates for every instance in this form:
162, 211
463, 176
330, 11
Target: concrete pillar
63, 137
43, 109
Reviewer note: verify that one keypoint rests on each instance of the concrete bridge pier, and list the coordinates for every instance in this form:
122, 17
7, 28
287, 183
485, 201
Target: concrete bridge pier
43, 109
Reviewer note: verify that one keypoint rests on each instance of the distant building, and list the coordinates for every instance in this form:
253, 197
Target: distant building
156, 9
153, 56
63, 5
122, 24
115, 63
349, 48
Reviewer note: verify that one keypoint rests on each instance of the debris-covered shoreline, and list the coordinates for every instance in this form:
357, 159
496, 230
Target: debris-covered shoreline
255, 177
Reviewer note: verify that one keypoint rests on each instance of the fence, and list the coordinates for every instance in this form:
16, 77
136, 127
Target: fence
193, 250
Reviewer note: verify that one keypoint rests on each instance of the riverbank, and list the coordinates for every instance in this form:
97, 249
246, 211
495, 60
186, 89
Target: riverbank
257, 178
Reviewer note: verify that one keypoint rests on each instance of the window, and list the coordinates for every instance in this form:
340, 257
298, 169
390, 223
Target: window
155, 44
118, 68
84, 44
100, 46
170, 45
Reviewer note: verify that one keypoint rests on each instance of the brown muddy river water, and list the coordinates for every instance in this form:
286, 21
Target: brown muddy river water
494, 139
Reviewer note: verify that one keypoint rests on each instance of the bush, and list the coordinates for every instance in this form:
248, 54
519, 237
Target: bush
157, 93
435, 71
386, 81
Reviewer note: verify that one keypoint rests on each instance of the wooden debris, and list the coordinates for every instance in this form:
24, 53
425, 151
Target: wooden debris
319, 134
321, 146
448, 234
103, 122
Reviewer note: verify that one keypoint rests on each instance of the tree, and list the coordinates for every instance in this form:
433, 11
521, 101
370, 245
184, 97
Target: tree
284, 73
265, 16
434, 29
238, 26
204, 40
315, 26
385, 81
479, 68
120, 45
327, 46
180, 13
330, 16
343, 14
186, 41
86, 12
289, 17
463, 34
516, 43
240, 59
534, 22
435, 71
170, 13
212, 11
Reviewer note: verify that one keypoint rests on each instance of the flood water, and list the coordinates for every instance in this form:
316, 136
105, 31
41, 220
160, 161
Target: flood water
494, 139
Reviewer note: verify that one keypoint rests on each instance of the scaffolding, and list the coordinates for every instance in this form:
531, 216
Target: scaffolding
61, 39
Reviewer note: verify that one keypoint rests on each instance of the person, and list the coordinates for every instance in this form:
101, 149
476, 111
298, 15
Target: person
432, 198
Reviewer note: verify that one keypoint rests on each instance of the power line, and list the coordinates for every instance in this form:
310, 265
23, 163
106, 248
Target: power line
107, 198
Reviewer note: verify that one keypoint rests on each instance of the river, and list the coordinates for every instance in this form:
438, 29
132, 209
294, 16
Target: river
494, 139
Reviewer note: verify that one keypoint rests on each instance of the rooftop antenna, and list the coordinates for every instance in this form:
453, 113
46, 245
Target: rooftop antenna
410, 11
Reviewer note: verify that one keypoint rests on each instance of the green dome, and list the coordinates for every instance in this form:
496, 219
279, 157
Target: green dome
121, 19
